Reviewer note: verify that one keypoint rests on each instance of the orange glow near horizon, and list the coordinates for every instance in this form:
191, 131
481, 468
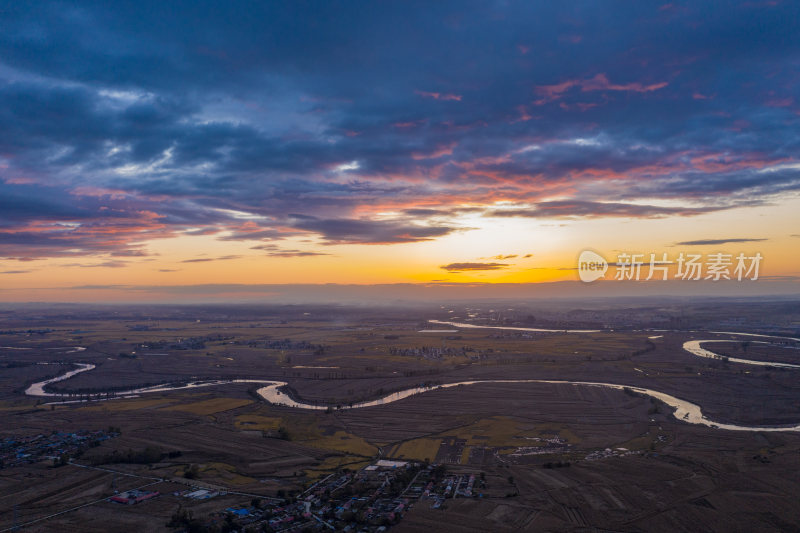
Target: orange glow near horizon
552, 247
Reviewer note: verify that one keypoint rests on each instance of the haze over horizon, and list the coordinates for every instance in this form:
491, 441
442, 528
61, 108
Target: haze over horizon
238, 151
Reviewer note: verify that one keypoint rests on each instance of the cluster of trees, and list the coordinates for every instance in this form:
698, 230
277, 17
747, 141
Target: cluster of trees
146, 456
15, 364
630, 392
64, 458
286, 344
191, 472
183, 519
29, 331
557, 464
648, 347
281, 433
431, 351
655, 407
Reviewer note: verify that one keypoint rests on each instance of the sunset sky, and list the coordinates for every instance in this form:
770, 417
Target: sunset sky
235, 143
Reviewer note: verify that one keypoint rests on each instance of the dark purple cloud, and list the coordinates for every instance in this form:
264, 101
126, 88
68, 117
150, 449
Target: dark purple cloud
712, 242
467, 267
586, 209
208, 259
363, 231
140, 120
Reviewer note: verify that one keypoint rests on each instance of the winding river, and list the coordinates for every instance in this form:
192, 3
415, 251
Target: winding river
694, 348
464, 325
272, 390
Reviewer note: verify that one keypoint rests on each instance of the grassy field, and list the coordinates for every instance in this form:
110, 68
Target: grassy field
211, 406
235, 441
416, 449
492, 432
131, 404
258, 422
224, 473
334, 463
308, 429
340, 441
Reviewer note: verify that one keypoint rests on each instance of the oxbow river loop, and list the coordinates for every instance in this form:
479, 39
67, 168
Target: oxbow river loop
273, 391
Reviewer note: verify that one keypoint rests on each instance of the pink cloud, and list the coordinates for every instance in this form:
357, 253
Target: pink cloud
574, 39
411, 124
599, 82
581, 106
524, 116
780, 102
438, 152
439, 96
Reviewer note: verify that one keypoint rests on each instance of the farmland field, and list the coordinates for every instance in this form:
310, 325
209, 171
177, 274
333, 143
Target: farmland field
625, 451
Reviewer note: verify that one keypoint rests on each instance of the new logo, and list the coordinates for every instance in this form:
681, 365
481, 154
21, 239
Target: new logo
591, 266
